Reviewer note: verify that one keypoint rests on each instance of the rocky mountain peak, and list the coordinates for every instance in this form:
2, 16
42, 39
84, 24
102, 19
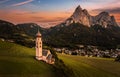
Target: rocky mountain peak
80, 15
85, 12
83, 17
77, 12
78, 8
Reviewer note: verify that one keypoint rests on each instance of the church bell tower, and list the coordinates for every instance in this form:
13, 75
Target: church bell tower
38, 46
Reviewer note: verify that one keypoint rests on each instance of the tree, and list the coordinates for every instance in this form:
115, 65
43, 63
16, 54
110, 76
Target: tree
117, 58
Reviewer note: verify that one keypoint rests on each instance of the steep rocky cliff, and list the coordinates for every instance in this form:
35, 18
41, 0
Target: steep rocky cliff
83, 17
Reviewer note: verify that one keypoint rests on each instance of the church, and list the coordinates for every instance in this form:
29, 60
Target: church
43, 54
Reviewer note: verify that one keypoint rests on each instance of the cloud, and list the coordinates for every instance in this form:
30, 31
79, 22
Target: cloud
49, 22
22, 3
53, 20
112, 10
3, 1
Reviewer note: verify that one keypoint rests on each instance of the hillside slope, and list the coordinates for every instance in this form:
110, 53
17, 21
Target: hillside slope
18, 61
62, 35
77, 34
92, 67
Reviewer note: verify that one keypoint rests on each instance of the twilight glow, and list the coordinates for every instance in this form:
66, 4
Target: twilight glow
51, 12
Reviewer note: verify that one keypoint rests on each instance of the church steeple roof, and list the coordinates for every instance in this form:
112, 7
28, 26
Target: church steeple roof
38, 33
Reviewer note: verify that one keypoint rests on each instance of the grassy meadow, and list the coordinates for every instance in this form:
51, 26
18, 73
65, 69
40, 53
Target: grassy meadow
18, 61
91, 66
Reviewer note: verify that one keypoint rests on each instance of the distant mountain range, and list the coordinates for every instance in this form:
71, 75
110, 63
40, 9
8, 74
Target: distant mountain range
80, 28
22, 33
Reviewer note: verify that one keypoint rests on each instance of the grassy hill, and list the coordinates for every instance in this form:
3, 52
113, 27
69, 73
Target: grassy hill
92, 67
18, 61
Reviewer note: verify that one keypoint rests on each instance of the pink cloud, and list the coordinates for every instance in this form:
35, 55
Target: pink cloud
22, 3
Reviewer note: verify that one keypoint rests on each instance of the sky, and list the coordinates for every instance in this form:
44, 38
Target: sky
47, 13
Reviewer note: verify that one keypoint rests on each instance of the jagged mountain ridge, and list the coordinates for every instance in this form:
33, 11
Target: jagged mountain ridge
83, 17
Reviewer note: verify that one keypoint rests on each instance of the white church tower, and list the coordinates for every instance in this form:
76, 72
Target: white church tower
38, 46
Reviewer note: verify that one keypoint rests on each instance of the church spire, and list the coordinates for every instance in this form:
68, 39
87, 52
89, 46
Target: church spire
38, 33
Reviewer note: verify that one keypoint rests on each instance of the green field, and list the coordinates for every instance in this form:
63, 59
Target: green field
92, 67
18, 61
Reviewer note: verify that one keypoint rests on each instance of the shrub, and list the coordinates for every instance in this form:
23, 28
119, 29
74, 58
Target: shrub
117, 58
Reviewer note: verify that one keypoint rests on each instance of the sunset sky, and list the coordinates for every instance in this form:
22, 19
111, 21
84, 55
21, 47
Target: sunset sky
51, 12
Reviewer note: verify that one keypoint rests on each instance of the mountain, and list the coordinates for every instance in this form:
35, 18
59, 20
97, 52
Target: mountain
83, 17
82, 28
23, 34
79, 34
6, 29
30, 28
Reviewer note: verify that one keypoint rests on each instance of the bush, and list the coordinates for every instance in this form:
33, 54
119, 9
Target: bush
117, 58
74, 53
